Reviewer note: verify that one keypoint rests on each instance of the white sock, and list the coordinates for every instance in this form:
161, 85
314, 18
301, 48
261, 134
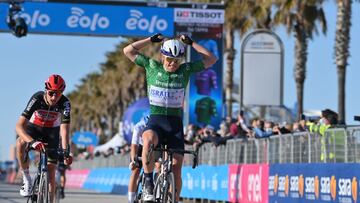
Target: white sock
131, 197
26, 176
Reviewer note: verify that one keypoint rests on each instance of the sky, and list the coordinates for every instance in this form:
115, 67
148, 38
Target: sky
25, 63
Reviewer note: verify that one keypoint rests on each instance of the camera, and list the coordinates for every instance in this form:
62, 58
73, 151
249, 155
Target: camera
356, 118
16, 23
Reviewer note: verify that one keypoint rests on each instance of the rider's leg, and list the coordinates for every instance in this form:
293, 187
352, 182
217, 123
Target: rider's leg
132, 184
149, 137
177, 165
51, 171
24, 166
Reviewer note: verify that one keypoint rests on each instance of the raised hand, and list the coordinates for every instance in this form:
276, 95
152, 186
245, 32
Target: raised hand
186, 40
158, 37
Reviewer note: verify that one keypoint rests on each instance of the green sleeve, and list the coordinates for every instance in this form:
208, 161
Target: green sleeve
142, 60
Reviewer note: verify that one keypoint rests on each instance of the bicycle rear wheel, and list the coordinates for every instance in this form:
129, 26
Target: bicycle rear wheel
43, 190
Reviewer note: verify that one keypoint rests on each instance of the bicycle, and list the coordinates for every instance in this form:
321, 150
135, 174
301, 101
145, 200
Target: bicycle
57, 185
165, 189
139, 183
40, 191
60, 167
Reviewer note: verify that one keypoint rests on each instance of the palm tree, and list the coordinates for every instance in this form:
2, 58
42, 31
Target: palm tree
342, 41
300, 18
242, 16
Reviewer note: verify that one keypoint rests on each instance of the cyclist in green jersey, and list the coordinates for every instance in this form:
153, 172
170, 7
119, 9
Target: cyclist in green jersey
166, 81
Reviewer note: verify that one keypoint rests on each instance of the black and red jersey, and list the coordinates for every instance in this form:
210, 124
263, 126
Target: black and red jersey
39, 113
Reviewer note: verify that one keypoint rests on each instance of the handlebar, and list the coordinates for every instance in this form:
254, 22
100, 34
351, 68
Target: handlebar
172, 151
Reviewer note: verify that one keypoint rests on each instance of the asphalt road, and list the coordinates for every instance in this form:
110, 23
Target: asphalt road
10, 194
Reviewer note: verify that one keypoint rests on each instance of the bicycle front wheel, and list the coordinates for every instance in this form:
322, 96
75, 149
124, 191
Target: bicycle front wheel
169, 190
139, 185
43, 190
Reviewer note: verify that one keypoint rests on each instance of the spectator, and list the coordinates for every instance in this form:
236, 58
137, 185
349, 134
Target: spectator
262, 129
239, 129
190, 134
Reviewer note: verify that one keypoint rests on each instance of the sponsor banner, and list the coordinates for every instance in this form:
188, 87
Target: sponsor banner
205, 88
88, 19
248, 183
205, 16
133, 114
314, 183
108, 180
85, 138
76, 178
207, 182
205, 26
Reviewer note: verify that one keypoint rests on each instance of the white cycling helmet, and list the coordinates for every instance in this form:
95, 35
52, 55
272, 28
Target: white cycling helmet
173, 48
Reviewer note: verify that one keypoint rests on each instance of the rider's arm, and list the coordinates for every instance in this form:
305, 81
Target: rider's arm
132, 50
133, 151
209, 59
20, 129
64, 134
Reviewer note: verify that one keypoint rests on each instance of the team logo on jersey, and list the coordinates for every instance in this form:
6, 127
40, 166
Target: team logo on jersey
31, 103
67, 108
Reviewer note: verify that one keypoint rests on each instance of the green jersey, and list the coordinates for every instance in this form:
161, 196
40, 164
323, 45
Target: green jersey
166, 90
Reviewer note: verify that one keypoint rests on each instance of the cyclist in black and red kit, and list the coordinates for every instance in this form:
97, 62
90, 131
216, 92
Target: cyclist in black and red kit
45, 118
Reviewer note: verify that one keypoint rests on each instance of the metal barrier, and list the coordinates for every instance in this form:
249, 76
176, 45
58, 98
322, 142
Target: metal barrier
339, 145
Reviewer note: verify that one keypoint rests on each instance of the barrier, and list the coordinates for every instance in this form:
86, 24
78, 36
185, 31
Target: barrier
297, 165
318, 183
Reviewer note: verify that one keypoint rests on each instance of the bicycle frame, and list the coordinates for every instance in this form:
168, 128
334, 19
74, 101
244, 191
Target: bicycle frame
166, 181
40, 192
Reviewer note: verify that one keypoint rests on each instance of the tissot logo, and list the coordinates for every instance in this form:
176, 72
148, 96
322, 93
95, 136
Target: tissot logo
199, 16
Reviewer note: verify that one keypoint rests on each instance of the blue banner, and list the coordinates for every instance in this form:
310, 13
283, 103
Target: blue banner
85, 138
133, 114
318, 183
205, 88
108, 180
88, 19
207, 182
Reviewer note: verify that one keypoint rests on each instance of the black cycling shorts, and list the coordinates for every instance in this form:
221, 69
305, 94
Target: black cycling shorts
169, 130
50, 136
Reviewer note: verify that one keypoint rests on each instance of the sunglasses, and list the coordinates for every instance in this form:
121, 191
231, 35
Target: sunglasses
169, 60
52, 93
